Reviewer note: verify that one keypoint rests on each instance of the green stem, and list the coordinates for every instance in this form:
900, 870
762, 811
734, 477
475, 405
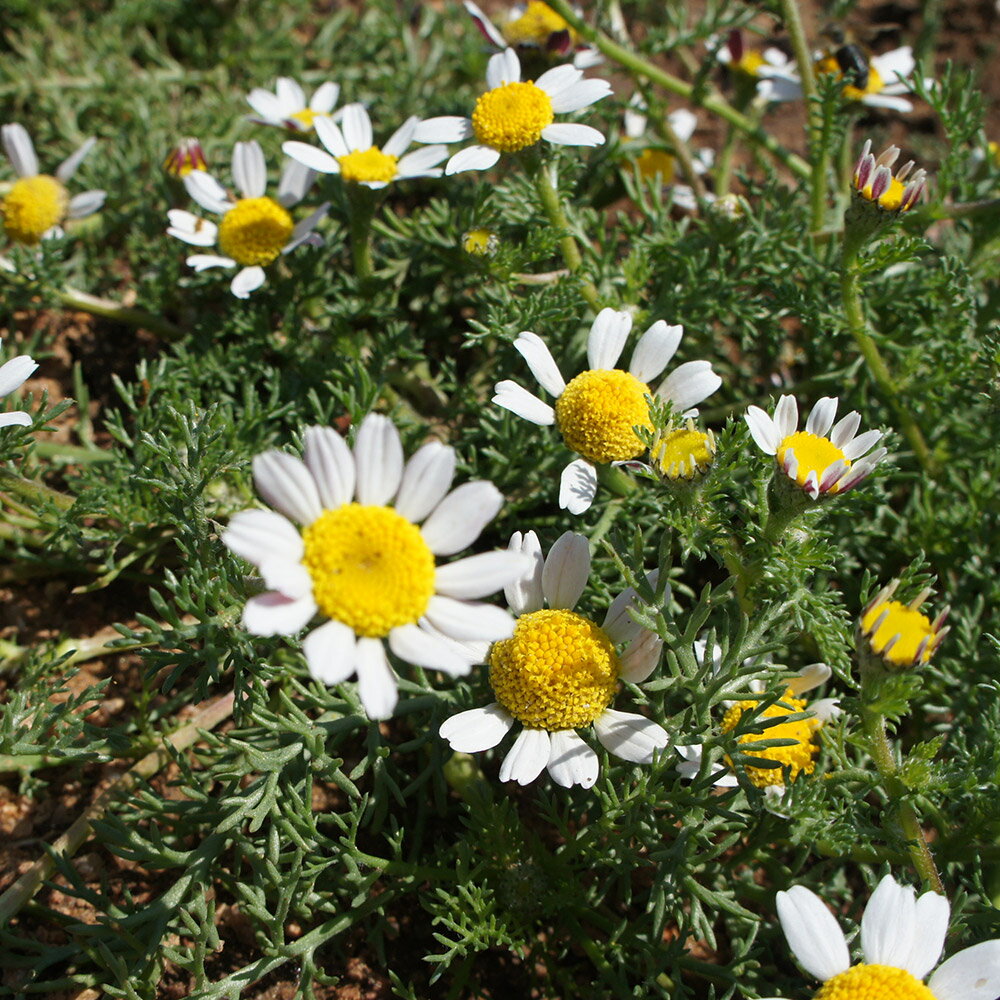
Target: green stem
713, 102
34, 493
603, 526
73, 298
361, 203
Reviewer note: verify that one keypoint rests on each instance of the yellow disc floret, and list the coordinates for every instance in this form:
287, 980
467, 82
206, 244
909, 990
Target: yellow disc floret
370, 165
874, 982
799, 758
306, 117
891, 200
535, 26
684, 453
558, 670
750, 63
913, 629
812, 453
597, 412
254, 231
33, 206
654, 163
873, 85
370, 568
511, 117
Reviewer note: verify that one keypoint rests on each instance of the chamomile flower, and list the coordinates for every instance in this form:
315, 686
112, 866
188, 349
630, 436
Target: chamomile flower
559, 672
353, 155
902, 937
286, 106
535, 25
875, 181
38, 204
900, 634
514, 114
597, 411
186, 156
13, 374
752, 64
354, 538
255, 230
819, 459
792, 760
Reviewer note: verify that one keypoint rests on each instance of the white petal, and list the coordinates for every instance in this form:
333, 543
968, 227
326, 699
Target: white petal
559, 79
786, 417
378, 457
477, 576
887, 101
762, 430
688, 384
422, 162
518, 400
15, 418
191, 229
583, 95
566, 569
296, 180
290, 95
20, 150
471, 158
812, 933
504, 67
465, 620
525, 593
304, 227
207, 191
416, 645
330, 135
527, 757
532, 348
933, 911
618, 623
356, 127
331, 652
401, 138
14, 373
571, 761
426, 479
484, 25
324, 99
972, 974
571, 134
285, 483
286, 576
85, 203
655, 349
631, 737
331, 464
821, 416
460, 517
577, 486
275, 614
641, 658
266, 105
446, 128
895, 64
249, 169
376, 681
861, 444
607, 338
477, 729
206, 261
69, 166
246, 281
808, 678
844, 429
683, 122
889, 924
262, 535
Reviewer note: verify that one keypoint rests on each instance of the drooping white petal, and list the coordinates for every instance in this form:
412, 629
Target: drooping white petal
578, 97
477, 729
572, 134
401, 138
445, 128
286, 484
889, 924
207, 192
577, 486
821, 416
518, 400
641, 658
632, 737
786, 416
524, 594
246, 281
376, 680
812, 933
275, 614
249, 169
331, 652
471, 158
655, 349
356, 127
566, 569
571, 762
296, 180
504, 67
426, 480
887, 101
378, 458
416, 645
15, 372
466, 620
762, 430
606, 339
688, 384
972, 974
933, 911
20, 149
331, 464
262, 535
808, 678
191, 229
479, 575
485, 26
206, 261
527, 757
303, 228
459, 519
533, 349
69, 166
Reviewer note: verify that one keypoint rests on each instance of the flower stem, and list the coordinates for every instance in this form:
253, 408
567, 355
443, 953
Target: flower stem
33, 493
361, 204
73, 298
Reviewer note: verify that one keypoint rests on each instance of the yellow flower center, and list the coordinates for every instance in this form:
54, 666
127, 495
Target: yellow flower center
535, 25
307, 117
750, 62
873, 982
370, 568
558, 670
799, 758
33, 206
891, 200
653, 163
368, 165
480, 242
685, 453
813, 453
511, 117
254, 231
911, 626
993, 148
829, 64
597, 412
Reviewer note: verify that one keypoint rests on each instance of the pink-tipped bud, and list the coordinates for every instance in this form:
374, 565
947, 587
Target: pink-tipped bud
881, 182
185, 157
735, 45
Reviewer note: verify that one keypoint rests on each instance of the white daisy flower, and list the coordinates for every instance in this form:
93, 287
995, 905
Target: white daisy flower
535, 25
13, 374
255, 230
597, 411
799, 758
751, 63
512, 115
559, 672
360, 560
822, 461
353, 155
38, 204
286, 106
902, 937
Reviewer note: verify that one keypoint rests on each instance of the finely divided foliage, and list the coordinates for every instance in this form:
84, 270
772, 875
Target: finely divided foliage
457, 606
